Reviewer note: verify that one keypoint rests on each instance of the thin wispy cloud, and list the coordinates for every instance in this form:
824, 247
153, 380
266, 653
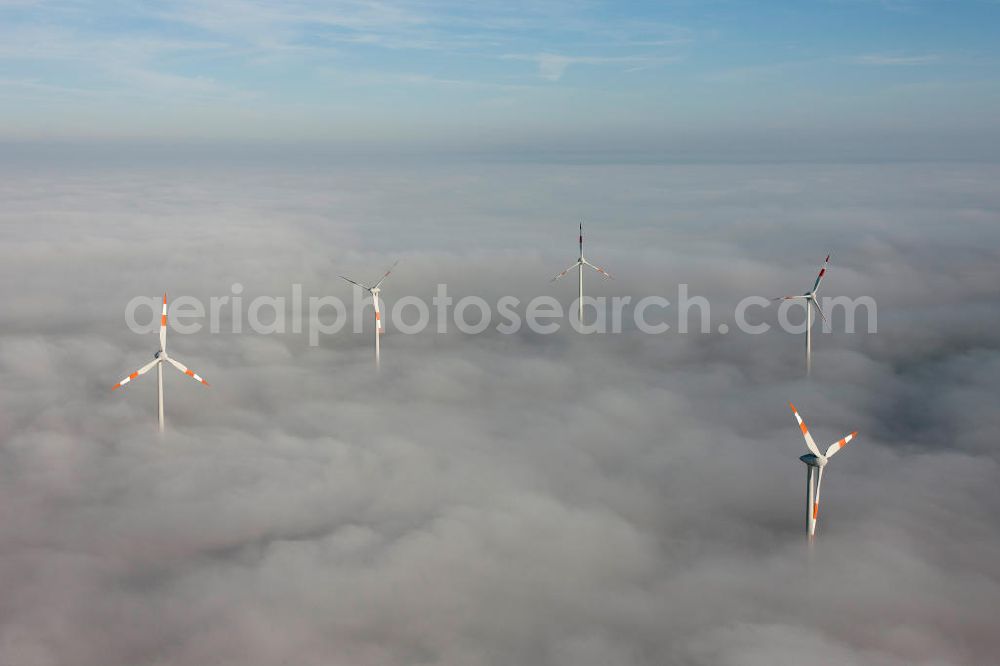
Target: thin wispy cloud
552, 66
884, 59
218, 57
126, 63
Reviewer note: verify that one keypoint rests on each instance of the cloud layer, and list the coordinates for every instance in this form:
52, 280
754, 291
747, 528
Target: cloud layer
497, 499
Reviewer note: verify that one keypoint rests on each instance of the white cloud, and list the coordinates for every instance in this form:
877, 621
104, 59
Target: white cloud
496, 500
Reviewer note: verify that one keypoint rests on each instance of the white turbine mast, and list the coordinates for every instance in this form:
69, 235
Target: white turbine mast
815, 462
159, 358
375, 290
810, 298
581, 262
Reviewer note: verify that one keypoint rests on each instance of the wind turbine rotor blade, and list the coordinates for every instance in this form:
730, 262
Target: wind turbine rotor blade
382, 279
600, 270
581, 239
838, 445
789, 298
818, 308
354, 283
565, 271
141, 371
183, 368
810, 442
163, 324
815, 506
822, 272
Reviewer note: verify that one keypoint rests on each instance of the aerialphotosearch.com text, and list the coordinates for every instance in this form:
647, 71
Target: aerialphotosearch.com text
318, 316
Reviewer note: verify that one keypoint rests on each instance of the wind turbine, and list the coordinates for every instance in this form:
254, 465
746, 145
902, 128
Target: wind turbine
374, 290
159, 358
810, 298
581, 262
815, 462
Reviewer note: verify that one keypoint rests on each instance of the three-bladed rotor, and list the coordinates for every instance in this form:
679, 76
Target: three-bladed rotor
810, 296
582, 261
159, 358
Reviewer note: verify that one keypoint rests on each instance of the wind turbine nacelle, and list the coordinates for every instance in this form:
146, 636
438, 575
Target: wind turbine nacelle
810, 460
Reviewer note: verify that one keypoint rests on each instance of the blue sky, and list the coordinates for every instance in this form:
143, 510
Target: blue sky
487, 73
